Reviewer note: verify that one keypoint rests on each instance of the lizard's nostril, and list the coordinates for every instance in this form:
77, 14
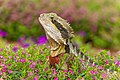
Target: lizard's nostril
41, 15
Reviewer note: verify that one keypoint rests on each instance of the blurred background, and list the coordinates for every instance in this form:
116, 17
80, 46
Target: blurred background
96, 22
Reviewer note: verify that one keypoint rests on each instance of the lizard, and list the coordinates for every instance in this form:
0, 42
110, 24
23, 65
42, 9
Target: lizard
59, 35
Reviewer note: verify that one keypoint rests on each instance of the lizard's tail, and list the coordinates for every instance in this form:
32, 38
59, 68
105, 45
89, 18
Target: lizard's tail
87, 61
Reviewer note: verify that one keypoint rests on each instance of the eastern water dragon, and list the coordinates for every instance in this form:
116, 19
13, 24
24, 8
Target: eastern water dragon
59, 35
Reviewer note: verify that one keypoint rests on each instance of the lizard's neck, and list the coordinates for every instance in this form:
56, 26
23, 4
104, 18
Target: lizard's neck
70, 48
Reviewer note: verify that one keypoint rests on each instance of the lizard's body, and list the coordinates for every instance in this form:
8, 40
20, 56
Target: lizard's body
59, 34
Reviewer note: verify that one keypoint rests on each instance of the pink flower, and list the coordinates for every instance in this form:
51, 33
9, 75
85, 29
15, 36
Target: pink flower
100, 67
25, 45
35, 78
15, 49
10, 57
23, 52
5, 76
29, 73
41, 40
55, 78
2, 33
93, 28
23, 79
82, 33
62, 54
21, 39
65, 75
93, 77
39, 61
92, 72
36, 71
93, 64
81, 60
68, 79
1, 49
15, 59
45, 69
115, 57
108, 53
4, 66
103, 75
53, 71
10, 72
65, 70
9, 64
3, 69
118, 52
22, 60
82, 10
27, 19
117, 63
1, 57
71, 71
14, 16
87, 52
106, 62
0, 73
32, 65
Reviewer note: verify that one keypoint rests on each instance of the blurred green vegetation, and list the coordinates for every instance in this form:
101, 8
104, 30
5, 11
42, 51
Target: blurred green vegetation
97, 22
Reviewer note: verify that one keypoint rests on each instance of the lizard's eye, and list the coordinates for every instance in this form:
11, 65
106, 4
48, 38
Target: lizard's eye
51, 17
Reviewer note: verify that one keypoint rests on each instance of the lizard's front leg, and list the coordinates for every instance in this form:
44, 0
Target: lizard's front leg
53, 58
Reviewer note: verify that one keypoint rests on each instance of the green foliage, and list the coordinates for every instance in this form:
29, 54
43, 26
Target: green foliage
31, 63
16, 30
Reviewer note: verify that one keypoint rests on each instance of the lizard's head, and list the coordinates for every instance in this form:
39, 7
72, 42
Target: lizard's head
56, 27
